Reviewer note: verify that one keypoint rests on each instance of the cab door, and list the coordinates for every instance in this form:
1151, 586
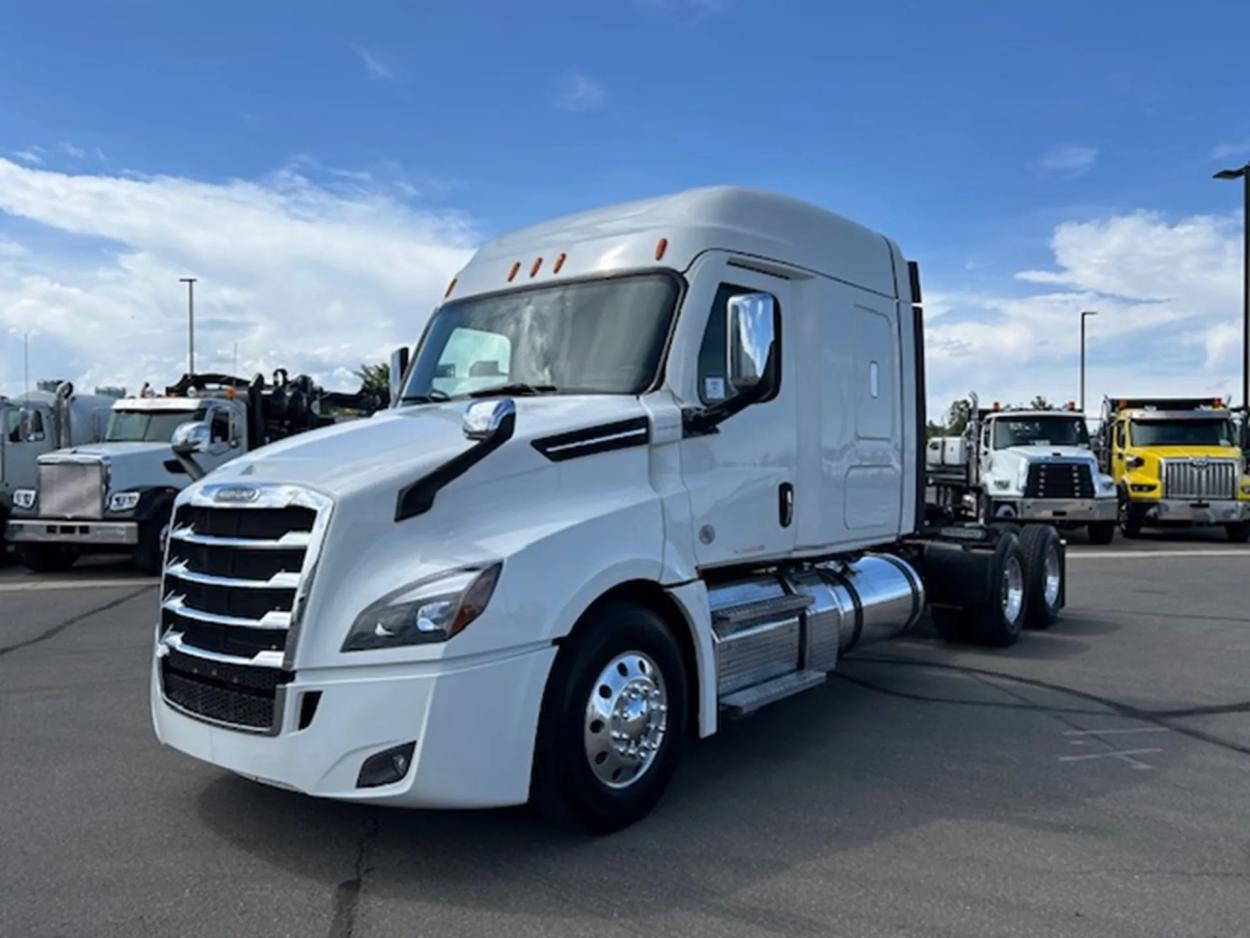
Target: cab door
740, 475
1119, 446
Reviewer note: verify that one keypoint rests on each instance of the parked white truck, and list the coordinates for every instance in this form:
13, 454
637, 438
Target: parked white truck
650, 467
38, 422
1024, 465
117, 494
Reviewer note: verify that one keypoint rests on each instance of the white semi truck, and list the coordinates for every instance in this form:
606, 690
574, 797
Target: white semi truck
117, 494
651, 467
40, 421
1024, 465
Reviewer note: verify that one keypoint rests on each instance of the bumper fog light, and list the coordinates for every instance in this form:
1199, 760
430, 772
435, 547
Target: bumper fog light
386, 767
1141, 488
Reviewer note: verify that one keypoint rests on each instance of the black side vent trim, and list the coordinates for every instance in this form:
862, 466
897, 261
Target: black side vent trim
609, 436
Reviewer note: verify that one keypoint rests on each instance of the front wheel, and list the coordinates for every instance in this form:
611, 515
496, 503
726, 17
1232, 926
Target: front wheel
149, 555
1238, 532
613, 721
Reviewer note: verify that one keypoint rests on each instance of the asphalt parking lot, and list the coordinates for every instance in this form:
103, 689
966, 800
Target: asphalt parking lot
1092, 780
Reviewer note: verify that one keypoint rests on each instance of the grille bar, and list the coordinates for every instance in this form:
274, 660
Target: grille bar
176, 603
286, 541
281, 580
1200, 478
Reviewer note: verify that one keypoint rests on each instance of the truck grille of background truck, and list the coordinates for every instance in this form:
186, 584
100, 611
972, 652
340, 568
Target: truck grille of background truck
228, 597
1200, 479
1059, 480
71, 489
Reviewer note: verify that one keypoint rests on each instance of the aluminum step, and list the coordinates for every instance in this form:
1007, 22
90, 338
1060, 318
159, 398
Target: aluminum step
749, 699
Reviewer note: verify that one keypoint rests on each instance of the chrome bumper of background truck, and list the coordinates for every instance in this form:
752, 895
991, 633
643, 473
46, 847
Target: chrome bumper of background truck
1079, 510
1225, 511
60, 531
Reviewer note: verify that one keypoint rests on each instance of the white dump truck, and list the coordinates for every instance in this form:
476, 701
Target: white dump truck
117, 494
1024, 465
651, 467
51, 417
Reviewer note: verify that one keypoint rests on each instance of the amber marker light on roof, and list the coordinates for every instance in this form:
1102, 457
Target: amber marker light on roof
559, 263
516, 265
451, 286
660, 247
538, 262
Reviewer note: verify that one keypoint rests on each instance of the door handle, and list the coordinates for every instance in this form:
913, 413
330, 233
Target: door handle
785, 504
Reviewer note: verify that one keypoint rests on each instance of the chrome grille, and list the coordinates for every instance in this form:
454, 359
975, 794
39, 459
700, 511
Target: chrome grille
71, 489
235, 577
1200, 479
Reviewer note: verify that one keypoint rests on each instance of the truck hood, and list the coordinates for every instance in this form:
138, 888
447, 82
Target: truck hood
1189, 452
1044, 453
397, 446
131, 465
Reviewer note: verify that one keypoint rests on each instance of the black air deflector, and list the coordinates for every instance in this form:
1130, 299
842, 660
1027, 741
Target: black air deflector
601, 439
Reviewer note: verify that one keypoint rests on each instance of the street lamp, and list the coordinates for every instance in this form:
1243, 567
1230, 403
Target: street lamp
1087, 313
1245, 279
190, 282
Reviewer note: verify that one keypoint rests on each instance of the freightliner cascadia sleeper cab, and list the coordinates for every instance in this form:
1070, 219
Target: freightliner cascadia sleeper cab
650, 467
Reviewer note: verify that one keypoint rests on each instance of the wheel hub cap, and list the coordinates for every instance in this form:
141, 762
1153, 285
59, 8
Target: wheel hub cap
626, 719
1013, 589
1052, 576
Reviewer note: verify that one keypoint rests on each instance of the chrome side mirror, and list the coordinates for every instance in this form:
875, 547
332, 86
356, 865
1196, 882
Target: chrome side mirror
399, 366
191, 437
750, 332
483, 419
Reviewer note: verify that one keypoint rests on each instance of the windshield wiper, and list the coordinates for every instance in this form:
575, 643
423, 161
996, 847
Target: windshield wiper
433, 396
519, 388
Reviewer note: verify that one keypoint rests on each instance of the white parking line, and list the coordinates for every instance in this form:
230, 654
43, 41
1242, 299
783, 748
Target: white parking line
1152, 554
1139, 729
1124, 755
31, 586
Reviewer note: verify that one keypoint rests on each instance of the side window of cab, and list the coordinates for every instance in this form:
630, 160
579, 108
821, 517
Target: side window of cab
1120, 436
713, 384
219, 426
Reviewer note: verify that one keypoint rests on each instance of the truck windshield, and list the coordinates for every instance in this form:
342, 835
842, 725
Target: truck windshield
1040, 431
594, 337
134, 426
1217, 432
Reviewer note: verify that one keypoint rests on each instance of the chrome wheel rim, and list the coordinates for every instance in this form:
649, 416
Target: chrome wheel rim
626, 719
1013, 589
1052, 577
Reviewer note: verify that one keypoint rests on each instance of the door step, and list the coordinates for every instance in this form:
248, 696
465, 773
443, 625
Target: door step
749, 699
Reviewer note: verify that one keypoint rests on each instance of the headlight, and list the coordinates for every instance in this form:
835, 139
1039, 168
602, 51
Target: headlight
431, 610
25, 498
1106, 485
123, 501
1002, 484
1245, 488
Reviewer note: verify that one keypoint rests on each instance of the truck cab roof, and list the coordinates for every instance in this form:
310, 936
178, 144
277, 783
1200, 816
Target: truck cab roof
675, 229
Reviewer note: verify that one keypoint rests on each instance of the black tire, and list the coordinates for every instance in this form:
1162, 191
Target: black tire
564, 786
1130, 516
996, 621
1238, 532
1102, 532
149, 555
47, 558
1043, 599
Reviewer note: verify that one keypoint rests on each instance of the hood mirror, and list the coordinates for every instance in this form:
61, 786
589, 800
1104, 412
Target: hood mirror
399, 367
191, 437
750, 334
484, 419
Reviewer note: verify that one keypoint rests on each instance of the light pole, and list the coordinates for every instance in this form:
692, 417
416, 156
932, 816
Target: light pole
1245, 278
190, 282
1084, 315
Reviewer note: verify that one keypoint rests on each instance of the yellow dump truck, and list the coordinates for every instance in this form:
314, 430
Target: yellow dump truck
1175, 461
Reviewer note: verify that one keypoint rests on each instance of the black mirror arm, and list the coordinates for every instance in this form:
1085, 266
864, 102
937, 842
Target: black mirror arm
185, 459
697, 421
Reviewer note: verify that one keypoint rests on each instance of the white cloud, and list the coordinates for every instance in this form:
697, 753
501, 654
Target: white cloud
377, 67
1069, 160
312, 277
32, 155
1168, 296
1226, 150
72, 151
576, 92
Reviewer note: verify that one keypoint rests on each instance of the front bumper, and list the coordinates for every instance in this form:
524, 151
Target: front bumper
63, 531
474, 722
1168, 510
1066, 510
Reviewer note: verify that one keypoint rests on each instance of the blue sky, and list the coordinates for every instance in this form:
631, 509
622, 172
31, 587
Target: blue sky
974, 133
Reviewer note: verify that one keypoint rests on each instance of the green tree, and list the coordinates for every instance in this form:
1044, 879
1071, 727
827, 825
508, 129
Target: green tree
374, 377
958, 416
1040, 403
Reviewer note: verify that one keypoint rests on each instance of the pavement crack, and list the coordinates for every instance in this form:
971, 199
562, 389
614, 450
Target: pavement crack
72, 620
347, 893
1156, 717
962, 701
